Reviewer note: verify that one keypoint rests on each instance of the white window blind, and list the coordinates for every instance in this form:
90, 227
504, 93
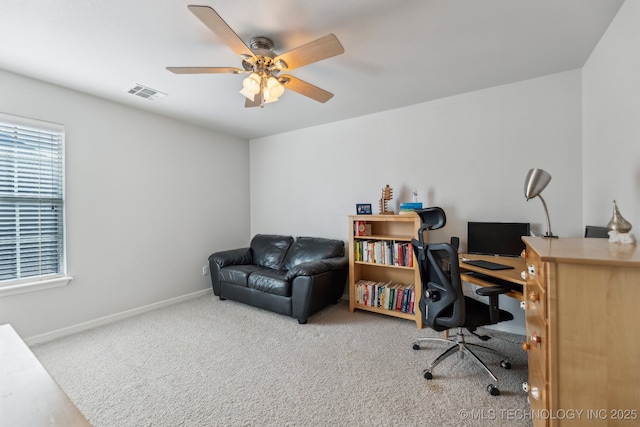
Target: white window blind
31, 200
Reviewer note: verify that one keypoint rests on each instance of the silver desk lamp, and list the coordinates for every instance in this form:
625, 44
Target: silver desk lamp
534, 183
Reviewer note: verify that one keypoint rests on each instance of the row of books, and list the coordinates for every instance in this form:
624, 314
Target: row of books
387, 252
390, 296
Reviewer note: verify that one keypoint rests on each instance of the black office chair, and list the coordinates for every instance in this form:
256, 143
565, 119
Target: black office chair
444, 306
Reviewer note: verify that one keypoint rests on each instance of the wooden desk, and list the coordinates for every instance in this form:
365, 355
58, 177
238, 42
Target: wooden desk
513, 275
582, 316
28, 394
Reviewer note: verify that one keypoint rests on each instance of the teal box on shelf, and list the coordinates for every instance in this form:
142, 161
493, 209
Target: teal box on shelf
410, 206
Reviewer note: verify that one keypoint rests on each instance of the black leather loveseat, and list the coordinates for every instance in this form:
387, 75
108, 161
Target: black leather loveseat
296, 277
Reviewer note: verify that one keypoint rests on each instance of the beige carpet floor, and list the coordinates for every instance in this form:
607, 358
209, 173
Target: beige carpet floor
206, 362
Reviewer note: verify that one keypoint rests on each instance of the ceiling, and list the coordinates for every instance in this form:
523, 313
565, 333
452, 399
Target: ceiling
396, 53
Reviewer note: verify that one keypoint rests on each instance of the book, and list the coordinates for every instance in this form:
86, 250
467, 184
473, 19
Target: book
362, 228
410, 206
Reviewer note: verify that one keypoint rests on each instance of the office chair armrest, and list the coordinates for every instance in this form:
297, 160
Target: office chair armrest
492, 292
488, 291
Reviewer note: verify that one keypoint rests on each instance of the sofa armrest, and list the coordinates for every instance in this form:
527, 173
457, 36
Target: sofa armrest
222, 259
318, 284
313, 268
232, 257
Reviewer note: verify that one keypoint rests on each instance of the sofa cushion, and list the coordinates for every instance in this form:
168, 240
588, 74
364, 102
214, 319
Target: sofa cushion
269, 250
238, 274
306, 249
270, 281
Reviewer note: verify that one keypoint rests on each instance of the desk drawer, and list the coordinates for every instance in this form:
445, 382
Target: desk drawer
535, 297
536, 269
536, 344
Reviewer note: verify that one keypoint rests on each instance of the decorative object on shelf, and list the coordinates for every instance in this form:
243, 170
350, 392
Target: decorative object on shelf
414, 195
534, 183
387, 194
362, 228
409, 207
363, 208
619, 227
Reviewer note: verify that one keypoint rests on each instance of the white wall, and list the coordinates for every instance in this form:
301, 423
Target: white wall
468, 154
148, 199
611, 123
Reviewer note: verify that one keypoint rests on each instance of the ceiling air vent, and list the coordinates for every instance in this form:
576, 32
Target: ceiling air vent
145, 92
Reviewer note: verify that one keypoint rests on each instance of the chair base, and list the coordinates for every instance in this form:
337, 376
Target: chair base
461, 346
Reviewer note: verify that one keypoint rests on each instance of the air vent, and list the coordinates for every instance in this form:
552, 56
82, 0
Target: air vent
145, 92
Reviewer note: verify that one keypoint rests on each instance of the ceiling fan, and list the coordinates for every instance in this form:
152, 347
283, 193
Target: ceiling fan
264, 83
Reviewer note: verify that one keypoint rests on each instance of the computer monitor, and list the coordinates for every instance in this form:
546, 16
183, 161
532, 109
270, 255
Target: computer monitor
496, 238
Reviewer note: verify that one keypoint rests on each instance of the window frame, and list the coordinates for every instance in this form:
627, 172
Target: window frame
48, 280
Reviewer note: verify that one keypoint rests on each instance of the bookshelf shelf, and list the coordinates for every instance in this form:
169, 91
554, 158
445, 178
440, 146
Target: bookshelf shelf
384, 265
392, 235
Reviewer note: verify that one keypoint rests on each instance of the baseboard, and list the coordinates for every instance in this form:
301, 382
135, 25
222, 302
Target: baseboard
59, 333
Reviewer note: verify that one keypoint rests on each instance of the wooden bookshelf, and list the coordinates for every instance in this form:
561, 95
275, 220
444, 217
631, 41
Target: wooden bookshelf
392, 229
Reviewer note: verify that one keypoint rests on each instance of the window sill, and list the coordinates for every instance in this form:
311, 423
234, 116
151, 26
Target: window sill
34, 286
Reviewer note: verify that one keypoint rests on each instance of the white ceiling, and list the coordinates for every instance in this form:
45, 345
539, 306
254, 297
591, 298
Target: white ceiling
397, 53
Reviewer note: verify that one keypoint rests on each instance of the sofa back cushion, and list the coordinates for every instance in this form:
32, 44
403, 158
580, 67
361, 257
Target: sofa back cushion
269, 250
307, 249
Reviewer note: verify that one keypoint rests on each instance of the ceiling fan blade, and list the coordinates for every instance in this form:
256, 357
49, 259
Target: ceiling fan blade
306, 89
256, 101
205, 70
322, 48
215, 23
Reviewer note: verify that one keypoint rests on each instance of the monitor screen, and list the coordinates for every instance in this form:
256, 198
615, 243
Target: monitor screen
496, 238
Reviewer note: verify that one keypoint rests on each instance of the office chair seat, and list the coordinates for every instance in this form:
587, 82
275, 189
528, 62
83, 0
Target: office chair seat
477, 314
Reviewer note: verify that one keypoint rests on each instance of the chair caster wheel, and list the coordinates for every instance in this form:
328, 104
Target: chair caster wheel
505, 364
416, 346
427, 375
493, 391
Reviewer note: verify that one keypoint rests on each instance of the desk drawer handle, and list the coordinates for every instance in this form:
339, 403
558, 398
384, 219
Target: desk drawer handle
532, 270
533, 296
536, 339
526, 346
535, 393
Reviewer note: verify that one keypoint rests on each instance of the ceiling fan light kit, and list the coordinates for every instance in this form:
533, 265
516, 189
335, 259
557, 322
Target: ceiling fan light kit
263, 85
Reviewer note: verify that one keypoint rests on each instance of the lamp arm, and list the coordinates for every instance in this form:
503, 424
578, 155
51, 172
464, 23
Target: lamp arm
546, 212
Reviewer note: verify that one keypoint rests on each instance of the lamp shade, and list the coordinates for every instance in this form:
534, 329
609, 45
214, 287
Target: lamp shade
535, 182
252, 83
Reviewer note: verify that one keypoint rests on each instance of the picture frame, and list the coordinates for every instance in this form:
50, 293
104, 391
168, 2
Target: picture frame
363, 208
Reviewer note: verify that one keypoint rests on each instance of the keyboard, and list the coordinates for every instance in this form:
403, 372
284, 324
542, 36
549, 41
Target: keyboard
489, 265
495, 280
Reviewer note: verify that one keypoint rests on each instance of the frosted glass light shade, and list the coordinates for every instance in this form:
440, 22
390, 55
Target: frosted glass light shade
250, 96
252, 83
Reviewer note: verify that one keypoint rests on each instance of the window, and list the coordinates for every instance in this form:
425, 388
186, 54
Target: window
31, 201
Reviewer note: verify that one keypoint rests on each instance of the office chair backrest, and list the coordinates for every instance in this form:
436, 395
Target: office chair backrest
431, 218
442, 299
594, 231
